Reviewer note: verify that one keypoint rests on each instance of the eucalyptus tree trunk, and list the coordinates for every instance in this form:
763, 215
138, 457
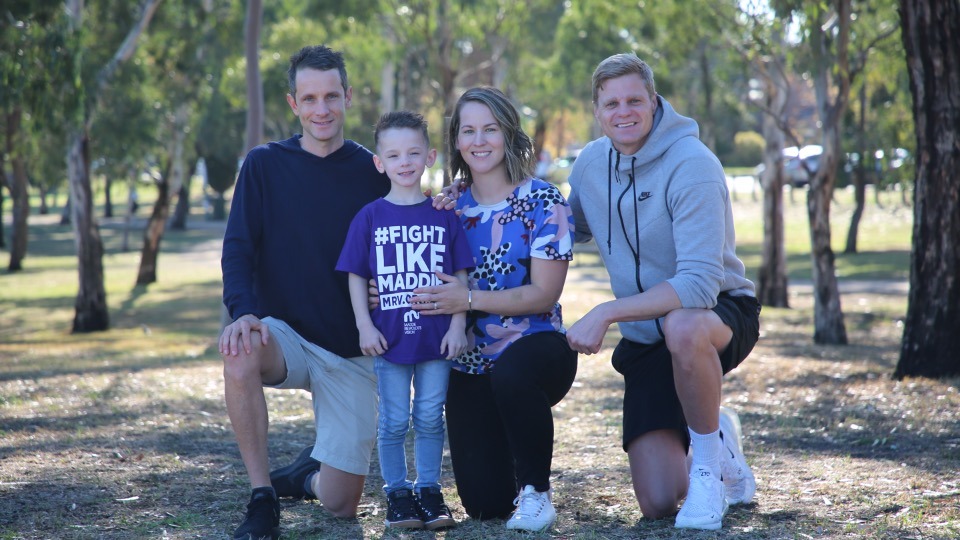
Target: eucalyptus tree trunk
91, 313
859, 179
251, 47
170, 181
153, 232
832, 87
91, 303
931, 335
772, 274
18, 192
3, 184
181, 211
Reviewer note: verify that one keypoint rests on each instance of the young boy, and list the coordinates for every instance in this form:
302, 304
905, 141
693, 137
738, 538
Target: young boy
400, 241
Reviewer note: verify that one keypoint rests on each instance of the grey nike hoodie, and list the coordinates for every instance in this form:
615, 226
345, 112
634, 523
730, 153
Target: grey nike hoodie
661, 214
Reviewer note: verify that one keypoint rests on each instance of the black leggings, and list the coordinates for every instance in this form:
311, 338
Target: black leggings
500, 426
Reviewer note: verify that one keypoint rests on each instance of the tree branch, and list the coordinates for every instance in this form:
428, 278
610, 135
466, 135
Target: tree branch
124, 52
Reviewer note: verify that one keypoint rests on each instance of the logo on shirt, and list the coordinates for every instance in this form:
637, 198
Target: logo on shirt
410, 325
644, 196
407, 256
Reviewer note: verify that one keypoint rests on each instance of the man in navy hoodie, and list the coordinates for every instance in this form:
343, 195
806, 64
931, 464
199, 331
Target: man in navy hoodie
293, 323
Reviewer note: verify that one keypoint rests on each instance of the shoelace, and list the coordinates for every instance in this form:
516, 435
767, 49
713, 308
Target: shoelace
699, 494
432, 505
404, 506
529, 504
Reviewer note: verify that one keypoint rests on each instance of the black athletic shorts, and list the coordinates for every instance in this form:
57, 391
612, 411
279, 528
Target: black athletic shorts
650, 399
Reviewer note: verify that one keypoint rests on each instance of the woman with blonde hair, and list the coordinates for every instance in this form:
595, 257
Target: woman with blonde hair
518, 363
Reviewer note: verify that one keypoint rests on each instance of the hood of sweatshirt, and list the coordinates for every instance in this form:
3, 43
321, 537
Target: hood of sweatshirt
661, 214
345, 152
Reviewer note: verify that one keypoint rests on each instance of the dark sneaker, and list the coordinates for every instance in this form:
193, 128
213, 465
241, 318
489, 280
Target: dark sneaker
288, 481
402, 510
433, 511
263, 517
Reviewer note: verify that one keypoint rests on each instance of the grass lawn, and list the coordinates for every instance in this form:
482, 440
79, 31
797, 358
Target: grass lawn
124, 434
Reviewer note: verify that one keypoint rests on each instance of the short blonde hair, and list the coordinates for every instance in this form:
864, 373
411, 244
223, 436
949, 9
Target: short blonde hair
619, 65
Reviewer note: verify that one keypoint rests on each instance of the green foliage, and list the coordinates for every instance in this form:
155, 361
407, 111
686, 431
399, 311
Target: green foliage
33, 57
220, 141
36, 63
544, 53
591, 31
125, 134
747, 149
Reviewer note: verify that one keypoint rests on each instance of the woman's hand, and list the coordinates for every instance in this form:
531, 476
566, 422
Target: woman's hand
445, 299
373, 295
447, 199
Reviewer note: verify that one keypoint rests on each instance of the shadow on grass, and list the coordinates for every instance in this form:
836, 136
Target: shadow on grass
104, 362
865, 265
162, 475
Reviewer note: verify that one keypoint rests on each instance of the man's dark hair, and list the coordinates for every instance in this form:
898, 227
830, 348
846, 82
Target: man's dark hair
401, 119
319, 57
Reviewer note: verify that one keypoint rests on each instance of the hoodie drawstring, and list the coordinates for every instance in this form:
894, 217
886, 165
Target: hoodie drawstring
632, 188
616, 167
609, 198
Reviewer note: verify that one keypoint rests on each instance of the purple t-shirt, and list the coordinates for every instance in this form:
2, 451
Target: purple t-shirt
401, 246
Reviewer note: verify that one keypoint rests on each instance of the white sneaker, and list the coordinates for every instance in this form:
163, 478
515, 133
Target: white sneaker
738, 480
534, 511
705, 505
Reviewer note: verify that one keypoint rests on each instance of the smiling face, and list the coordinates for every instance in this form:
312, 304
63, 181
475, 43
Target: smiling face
320, 104
480, 141
625, 109
403, 154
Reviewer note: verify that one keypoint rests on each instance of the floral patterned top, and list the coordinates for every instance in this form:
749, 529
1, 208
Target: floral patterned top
535, 221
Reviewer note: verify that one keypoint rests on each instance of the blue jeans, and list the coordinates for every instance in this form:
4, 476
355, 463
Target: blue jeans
430, 380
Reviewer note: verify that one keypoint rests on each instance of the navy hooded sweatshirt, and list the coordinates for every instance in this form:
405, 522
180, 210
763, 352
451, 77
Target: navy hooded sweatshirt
288, 220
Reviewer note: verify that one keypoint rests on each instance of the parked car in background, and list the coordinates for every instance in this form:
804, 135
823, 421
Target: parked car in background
882, 167
800, 164
561, 168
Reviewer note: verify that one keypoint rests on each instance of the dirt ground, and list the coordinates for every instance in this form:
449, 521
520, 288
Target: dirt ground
143, 448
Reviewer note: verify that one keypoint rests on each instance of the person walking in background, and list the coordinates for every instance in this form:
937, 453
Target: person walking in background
655, 198
293, 323
400, 241
518, 363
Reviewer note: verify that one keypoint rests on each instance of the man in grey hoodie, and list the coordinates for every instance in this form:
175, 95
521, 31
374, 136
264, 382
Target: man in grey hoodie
655, 198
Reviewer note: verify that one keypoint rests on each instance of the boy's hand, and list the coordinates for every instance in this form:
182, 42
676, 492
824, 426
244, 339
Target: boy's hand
454, 343
372, 342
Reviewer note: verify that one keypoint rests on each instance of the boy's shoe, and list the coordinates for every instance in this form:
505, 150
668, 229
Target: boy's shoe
263, 517
288, 481
402, 510
534, 511
433, 511
705, 505
738, 480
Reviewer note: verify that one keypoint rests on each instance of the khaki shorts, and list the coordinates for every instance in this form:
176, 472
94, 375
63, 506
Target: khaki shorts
344, 392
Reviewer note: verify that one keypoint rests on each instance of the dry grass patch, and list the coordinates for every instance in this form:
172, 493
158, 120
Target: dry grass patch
124, 434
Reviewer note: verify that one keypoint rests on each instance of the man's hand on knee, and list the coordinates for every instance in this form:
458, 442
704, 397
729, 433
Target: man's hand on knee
240, 332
